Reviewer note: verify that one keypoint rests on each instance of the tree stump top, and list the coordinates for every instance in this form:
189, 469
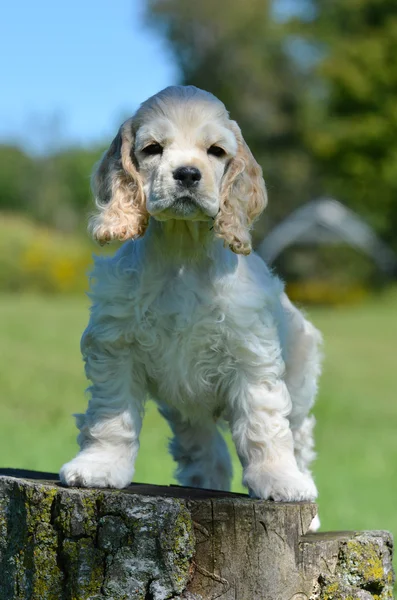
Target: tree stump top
142, 489
161, 542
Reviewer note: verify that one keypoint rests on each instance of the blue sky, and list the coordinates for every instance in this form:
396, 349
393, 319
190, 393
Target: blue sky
71, 71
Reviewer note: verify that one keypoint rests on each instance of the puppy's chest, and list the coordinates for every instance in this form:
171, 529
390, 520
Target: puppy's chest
181, 338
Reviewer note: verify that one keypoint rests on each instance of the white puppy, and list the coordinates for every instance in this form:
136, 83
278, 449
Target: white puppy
186, 314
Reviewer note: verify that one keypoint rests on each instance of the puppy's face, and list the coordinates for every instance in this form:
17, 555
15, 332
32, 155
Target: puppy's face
182, 157
178, 157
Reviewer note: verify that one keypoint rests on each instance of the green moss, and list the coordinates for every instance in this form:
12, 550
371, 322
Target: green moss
362, 561
183, 532
360, 567
178, 544
38, 503
38, 568
90, 512
332, 588
3, 520
77, 515
85, 568
335, 591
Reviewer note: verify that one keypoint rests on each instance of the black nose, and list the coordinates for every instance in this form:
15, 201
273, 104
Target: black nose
188, 176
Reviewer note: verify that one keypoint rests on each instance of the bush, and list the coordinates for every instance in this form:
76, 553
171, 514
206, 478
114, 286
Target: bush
33, 258
325, 292
328, 274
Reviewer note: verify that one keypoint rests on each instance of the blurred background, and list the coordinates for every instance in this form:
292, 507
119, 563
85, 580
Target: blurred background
313, 85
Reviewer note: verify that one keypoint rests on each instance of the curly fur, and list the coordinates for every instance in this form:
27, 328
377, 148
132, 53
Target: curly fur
209, 334
243, 198
118, 192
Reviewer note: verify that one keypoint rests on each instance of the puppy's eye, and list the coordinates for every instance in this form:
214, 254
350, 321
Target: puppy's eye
154, 148
216, 151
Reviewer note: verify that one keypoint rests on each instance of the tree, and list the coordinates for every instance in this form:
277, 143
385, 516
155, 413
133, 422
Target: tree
17, 173
314, 92
53, 189
63, 193
237, 50
352, 129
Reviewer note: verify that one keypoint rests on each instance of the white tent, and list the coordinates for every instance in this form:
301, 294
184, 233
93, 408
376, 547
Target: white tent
327, 221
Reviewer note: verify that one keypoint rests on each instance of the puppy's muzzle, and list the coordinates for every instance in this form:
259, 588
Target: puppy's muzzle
187, 177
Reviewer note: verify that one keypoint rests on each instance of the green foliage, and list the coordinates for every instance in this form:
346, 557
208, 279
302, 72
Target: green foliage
52, 189
17, 171
36, 258
313, 89
64, 197
352, 134
328, 274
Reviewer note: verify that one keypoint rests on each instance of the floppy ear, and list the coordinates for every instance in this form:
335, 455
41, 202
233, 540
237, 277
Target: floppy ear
243, 198
118, 191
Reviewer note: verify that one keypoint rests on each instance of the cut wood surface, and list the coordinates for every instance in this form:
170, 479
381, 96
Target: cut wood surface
160, 542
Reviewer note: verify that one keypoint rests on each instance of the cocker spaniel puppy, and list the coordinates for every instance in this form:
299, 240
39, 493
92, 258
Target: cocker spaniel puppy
187, 314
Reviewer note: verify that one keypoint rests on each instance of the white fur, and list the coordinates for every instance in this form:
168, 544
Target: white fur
209, 335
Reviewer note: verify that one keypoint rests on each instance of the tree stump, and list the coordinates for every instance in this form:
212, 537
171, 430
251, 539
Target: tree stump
156, 543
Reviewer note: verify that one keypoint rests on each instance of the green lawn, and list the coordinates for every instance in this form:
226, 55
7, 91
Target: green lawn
42, 383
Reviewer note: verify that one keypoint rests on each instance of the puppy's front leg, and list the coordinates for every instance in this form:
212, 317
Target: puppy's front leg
264, 443
109, 430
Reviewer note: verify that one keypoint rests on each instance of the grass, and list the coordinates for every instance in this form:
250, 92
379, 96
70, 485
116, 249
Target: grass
42, 383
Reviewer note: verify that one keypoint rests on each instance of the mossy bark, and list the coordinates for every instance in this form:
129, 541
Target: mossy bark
157, 543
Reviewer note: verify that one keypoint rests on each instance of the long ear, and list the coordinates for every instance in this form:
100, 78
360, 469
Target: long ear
243, 198
118, 191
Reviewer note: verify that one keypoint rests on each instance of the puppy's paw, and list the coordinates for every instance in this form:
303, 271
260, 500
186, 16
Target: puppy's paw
97, 469
217, 478
282, 486
293, 489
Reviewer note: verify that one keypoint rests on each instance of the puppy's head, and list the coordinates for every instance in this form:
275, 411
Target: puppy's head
179, 157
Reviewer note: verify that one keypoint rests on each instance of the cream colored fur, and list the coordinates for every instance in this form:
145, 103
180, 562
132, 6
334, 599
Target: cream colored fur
186, 314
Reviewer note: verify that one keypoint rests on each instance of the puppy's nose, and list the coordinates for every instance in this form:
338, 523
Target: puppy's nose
188, 176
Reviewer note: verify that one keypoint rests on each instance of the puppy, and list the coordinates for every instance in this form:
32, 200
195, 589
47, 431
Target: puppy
185, 313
